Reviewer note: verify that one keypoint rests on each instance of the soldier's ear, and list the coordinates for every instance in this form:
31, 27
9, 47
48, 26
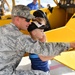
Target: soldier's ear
17, 19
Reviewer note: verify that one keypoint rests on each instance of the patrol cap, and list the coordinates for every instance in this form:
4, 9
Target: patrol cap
22, 11
35, 25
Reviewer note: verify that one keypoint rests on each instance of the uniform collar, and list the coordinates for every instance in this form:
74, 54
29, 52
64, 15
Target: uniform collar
14, 26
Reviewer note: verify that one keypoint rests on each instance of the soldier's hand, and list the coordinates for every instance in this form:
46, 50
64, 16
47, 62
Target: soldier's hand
72, 44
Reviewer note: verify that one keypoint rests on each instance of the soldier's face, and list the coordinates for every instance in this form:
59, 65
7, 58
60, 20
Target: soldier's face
24, 23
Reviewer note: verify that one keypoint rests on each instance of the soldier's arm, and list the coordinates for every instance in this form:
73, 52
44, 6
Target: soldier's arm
37, 47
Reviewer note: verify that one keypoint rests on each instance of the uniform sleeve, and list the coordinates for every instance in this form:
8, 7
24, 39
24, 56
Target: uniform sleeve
47, 49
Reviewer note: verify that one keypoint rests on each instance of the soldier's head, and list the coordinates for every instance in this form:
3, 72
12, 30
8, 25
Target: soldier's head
36, 28
21, 16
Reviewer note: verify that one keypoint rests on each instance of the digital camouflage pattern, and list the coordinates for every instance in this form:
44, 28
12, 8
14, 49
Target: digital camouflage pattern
14, 44
22, 11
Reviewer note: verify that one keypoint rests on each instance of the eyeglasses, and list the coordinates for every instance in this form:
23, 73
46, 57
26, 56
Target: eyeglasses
27, 20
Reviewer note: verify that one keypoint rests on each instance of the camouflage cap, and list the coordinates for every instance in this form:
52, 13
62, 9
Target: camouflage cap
22, 11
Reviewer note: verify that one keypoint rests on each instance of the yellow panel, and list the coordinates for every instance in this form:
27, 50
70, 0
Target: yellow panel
67, 58
62, 34
3, 22
57, 18
71, 23
6, 17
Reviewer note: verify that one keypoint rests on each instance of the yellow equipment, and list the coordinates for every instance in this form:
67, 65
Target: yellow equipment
61, 26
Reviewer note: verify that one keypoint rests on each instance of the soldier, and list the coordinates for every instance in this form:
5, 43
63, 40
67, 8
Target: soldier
14, 44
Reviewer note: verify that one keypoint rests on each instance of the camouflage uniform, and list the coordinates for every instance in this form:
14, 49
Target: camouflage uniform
14, 44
